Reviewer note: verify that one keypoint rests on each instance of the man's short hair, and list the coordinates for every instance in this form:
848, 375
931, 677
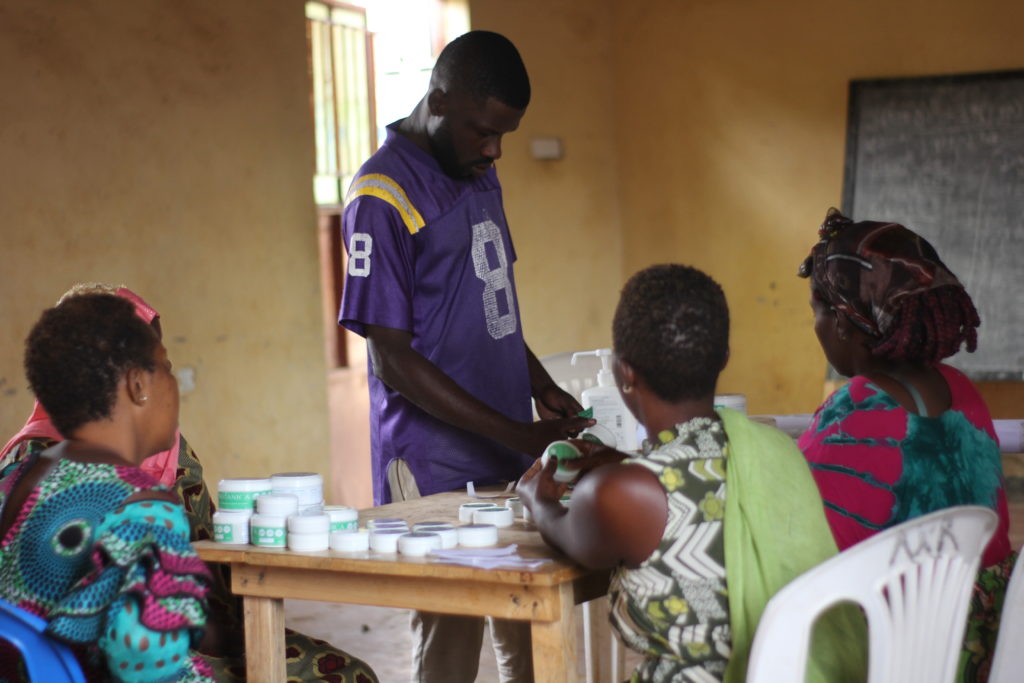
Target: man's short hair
484, 64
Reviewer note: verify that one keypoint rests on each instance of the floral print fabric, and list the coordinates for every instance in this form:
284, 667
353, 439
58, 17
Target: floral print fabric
674, 607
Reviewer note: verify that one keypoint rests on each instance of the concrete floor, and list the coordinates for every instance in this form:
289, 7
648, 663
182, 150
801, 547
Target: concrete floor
380, 635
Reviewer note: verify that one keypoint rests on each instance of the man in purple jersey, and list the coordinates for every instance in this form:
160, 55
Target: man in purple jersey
430, 285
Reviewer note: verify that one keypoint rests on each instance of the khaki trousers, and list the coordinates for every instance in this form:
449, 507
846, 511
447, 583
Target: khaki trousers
445, 647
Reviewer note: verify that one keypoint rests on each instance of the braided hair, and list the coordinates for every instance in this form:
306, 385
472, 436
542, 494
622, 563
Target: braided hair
930, 326
891, 283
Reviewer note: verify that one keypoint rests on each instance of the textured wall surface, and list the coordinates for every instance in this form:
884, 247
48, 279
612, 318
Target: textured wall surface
167, 146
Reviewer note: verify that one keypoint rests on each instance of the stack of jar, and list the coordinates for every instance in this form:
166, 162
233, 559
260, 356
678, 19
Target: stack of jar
289, 512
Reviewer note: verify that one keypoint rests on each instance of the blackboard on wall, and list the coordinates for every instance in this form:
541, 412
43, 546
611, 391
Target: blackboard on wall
944, 155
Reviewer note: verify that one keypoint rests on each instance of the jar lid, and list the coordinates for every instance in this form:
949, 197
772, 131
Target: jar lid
497, 516
277, 504
341, 513
350, 541
243, 484
418, 543
309, 524
296, 480
477, 535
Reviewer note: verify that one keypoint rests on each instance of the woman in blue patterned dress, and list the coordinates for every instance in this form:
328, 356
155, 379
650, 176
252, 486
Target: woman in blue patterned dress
691, 528
88, 541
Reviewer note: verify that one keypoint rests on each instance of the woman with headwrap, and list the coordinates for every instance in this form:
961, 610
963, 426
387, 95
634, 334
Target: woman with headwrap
907, 435
180, 470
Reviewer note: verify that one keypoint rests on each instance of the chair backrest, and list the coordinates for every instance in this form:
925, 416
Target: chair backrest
914, 583
1008, 661
572, 378
45, 658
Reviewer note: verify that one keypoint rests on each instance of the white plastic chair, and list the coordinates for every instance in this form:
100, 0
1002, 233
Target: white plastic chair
596, 628
913, 582
572, 378
1008, 661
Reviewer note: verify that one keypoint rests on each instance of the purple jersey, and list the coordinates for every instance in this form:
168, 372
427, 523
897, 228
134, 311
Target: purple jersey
432, 255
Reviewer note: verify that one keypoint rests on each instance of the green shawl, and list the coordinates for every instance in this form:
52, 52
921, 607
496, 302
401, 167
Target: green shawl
775, 530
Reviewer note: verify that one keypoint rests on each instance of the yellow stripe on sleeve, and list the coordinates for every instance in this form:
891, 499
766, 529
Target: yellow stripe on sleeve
382, 187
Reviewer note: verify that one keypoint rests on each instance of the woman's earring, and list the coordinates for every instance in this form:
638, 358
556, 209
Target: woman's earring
627, 388
143, 399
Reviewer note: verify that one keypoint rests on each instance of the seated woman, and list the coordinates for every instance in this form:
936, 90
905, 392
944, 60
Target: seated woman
87, 540
907, 435
692, 526
179, 468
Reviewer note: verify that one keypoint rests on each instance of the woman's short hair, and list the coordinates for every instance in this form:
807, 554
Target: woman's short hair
77, 353
672, 326
890, 282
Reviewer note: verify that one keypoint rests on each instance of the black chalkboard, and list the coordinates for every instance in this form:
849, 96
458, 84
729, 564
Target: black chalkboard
944, 155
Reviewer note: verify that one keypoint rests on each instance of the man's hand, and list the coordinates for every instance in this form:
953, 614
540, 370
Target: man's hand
533, 437
552, 401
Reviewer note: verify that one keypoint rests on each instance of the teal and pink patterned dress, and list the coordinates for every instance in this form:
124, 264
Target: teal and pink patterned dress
877, 465
120, 583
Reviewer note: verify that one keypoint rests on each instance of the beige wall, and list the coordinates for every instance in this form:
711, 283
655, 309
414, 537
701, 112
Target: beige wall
723, 150
167, 146
564, 215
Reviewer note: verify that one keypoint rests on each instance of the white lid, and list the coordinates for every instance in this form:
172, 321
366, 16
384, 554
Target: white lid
497, 516
243, 484
477, 535
385, 540
309, 524
341, 513
350, 541
449, 536
418, 543
430, 526
466, 510
232, 516
296, 480
308, 542
277, 504
385, 522
268, 520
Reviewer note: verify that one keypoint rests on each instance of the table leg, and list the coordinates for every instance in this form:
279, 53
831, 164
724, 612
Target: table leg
554, 643
264, 639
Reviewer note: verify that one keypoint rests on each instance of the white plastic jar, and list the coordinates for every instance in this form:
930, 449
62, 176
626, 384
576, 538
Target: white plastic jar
477, 535
309, 524
343, 517
466, 510
240, 493
268, 531
277, 505
385, 540
515, 505
418, 543
231, 526
308, 487
498, 516
350, 541
308, 543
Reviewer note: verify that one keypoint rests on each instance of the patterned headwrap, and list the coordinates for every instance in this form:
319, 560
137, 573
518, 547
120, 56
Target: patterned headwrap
866, 269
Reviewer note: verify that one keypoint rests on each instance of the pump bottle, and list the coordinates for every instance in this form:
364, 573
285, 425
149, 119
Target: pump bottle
609, 409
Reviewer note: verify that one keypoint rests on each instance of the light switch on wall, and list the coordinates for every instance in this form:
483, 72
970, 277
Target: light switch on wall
547, 149
186, 379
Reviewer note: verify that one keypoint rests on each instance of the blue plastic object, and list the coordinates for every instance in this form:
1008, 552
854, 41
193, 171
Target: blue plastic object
46, 660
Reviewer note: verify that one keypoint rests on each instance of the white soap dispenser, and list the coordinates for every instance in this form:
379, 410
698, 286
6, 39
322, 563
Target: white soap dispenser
609, 409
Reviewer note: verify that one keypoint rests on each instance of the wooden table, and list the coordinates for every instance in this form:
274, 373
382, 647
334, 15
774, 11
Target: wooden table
545, 597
